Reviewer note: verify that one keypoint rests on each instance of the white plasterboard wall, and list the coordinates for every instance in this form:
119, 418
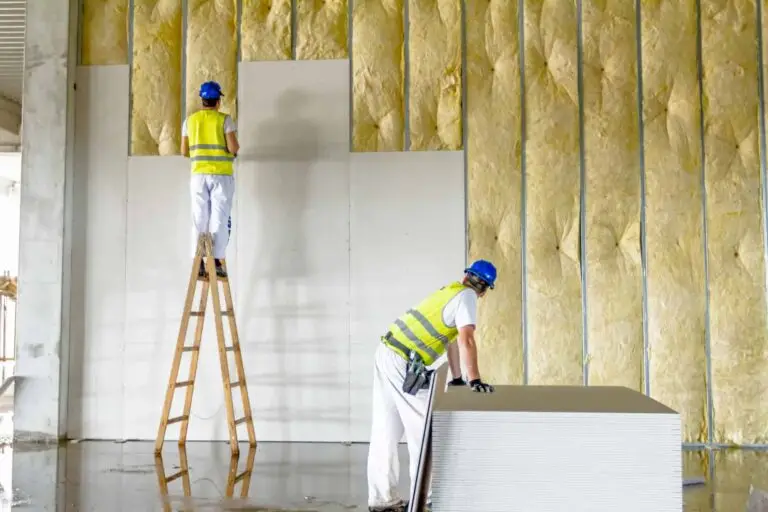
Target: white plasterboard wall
327, 248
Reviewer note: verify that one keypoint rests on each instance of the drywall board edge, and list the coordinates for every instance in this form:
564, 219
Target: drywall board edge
406, 240
98, 252
592, 399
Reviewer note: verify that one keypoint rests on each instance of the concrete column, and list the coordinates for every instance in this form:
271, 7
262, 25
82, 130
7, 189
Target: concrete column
42, 320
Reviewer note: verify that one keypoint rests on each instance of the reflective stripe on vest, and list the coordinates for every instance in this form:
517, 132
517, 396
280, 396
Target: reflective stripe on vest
208, 144
422, 328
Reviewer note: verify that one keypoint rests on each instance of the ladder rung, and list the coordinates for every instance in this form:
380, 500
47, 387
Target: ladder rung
229, 349
190, 349
235, 384
175, 476
226, 313
183, 383
241, 420
177, 419
196, 313
241, 476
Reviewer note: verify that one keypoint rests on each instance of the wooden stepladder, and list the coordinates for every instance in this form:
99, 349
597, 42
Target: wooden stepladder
209, 283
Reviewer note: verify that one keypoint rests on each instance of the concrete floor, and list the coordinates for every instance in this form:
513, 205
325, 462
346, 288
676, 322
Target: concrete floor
110, 476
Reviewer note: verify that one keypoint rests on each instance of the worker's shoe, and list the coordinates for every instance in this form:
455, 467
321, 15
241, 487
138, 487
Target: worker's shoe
201, 272
220, 272
401, 506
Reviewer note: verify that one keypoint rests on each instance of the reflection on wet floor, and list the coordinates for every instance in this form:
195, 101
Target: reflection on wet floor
110, 476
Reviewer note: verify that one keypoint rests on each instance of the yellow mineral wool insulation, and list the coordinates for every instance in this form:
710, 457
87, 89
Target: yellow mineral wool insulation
212, 51
675, 281
554, 313
434, 44
738, 335
321, 29
735, 471
265, 30
104, 32
156, 77
377, 75
495, 180
612, 163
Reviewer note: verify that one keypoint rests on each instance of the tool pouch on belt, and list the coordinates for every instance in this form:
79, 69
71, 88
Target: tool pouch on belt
417, 375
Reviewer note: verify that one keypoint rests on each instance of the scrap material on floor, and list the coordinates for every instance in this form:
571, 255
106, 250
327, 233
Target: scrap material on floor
555, 448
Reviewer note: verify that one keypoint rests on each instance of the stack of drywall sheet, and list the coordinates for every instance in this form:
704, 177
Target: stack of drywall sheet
555, 449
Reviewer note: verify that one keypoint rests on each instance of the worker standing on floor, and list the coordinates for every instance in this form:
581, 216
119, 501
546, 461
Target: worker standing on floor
209, 139
401, 380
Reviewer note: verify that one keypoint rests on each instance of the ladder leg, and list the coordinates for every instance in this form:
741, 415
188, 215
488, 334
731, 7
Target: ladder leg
179, 349
193, 364
239, 363
232, 475
214, 280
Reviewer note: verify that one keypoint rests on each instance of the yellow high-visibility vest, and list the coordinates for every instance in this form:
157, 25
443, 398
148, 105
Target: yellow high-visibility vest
207, 143
422, 329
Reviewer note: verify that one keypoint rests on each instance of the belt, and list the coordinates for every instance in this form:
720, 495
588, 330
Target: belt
397, 347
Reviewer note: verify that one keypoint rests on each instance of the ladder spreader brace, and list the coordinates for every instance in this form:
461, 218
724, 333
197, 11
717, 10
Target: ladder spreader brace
209, 282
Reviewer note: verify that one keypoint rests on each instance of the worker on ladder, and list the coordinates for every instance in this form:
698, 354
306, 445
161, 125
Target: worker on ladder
209, 138
401, 377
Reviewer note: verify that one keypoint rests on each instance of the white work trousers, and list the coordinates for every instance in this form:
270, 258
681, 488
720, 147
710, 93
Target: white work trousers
212, 196
394, 412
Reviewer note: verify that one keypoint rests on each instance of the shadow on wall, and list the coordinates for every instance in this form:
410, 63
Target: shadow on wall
279, 307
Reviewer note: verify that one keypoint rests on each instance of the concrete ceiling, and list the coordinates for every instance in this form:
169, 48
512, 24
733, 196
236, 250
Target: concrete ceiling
12, 24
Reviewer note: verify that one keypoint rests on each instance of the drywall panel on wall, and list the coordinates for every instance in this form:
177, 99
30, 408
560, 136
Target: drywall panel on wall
674, 221
104, 32
612, 189
553, 275
494, 181
735, 248
407, 240
159, 251
211, 48
293, 247
156, 77
98, 253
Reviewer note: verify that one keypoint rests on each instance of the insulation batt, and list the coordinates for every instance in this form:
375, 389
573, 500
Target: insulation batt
156, 77
434, 44
212, 51
612, 170
494, 181
674, 219
554, 313
321, 29
736, 255
104, 32
265, 30
377, 75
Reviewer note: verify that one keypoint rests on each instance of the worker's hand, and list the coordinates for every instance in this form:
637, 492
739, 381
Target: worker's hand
480, 386
458, 381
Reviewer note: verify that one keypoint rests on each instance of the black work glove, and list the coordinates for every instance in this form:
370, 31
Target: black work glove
480, 386
458, 381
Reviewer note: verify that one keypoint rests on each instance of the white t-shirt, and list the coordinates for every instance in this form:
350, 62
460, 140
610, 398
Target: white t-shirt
229, 126
462, 309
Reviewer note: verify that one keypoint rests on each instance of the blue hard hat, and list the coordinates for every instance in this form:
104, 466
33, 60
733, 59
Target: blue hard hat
484, 270
210, 91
